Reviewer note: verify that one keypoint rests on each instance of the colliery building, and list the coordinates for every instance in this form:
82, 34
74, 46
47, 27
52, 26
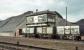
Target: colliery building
42, 24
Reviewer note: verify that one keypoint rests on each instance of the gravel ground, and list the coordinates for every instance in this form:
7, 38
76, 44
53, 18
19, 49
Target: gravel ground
46, 43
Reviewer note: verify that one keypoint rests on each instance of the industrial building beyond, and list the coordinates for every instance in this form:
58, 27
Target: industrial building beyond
39, 24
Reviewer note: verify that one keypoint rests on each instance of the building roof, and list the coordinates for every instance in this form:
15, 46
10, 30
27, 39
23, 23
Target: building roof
44, 12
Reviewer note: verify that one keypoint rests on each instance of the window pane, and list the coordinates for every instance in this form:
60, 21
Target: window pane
31, 30
44, 30
39, 30
28, 30
42, 18
30, 19
49, 30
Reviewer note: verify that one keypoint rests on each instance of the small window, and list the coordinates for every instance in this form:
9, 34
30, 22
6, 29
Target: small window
30, 19
42, 18
44, 29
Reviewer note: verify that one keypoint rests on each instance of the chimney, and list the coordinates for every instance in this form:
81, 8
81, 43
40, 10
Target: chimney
36, 10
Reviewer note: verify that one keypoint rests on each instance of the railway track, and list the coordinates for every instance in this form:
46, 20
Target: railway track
21, 43
11, 46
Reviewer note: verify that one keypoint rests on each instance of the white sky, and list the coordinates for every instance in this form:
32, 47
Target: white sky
10, 8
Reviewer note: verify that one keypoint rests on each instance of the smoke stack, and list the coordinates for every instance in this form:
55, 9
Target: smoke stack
36, 10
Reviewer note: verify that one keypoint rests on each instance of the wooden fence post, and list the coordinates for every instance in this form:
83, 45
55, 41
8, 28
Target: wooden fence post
76, 48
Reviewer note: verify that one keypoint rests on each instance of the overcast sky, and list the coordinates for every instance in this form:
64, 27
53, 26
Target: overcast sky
10, 8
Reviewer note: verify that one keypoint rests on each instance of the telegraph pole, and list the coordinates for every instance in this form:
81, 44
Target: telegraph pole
66, 15
65, 22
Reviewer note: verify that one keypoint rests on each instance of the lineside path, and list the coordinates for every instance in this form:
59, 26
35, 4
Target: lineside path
45, 43
11, 46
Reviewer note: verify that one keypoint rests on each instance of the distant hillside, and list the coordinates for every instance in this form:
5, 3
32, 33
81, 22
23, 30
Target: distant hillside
13, 23
81, 24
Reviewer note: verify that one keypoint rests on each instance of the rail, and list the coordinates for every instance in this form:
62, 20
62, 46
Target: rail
18, 46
